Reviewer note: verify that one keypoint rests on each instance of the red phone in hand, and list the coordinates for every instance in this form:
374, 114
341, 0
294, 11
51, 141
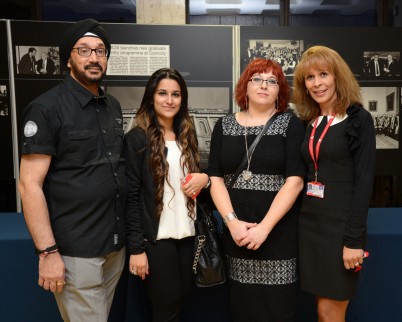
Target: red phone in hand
365, 255
185, 181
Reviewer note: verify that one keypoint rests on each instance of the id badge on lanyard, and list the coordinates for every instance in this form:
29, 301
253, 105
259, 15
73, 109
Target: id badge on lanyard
316, 188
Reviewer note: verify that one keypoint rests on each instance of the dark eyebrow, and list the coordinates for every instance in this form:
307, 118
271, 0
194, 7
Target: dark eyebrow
165, 90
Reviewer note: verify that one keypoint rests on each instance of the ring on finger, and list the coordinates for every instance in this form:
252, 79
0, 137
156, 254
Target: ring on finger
133, 272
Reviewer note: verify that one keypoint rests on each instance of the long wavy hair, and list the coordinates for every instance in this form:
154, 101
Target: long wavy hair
183, 128
347, 88
261, 65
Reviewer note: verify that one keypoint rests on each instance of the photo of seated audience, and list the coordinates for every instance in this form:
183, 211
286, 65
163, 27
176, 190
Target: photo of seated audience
3, 101
382, 102
285, 52
387, 125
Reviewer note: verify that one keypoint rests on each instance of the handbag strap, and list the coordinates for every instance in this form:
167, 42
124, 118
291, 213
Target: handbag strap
256, 140
200, 240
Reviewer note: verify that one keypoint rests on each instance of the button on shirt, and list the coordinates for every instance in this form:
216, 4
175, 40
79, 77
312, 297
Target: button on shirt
85, 187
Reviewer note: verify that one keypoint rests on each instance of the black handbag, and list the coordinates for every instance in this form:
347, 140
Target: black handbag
208, 264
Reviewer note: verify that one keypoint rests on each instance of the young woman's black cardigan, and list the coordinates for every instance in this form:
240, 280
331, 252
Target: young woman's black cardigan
141, 221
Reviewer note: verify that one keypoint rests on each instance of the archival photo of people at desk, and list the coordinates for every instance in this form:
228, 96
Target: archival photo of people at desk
3, 100
285, 52
381, 64
384, 104
206, 106
37, 60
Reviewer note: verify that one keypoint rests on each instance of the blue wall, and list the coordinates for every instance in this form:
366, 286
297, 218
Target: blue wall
377, 299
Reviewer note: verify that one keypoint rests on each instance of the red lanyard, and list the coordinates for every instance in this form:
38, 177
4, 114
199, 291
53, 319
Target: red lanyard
317, 148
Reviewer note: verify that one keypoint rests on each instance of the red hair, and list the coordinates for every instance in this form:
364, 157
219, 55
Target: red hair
260, 66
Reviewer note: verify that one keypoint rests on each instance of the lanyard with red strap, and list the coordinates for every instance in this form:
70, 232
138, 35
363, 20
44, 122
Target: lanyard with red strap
314, 157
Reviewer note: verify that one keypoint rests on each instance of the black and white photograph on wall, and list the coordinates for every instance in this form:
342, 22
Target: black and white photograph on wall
381, 64
381, 103
206, 106
3, 100
372, 106
37, 60
285, 52
390, 102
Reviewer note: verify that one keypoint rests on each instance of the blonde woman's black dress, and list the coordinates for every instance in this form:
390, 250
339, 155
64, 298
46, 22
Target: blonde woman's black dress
346, 168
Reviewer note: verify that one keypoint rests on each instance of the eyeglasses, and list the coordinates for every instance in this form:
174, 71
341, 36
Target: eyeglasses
259, 80
86, 52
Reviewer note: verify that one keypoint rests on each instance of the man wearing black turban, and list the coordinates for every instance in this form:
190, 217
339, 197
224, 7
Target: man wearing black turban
77, 31
72, 181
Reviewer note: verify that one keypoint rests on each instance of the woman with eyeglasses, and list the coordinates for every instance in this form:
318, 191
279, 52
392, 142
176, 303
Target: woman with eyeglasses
339, 151
260, 209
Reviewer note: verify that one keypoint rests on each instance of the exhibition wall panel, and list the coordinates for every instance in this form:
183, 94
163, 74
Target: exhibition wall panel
202, 54
210, 58
7, 179
360, 47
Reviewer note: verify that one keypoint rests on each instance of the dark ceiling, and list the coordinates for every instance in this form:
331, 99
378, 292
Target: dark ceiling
125, 10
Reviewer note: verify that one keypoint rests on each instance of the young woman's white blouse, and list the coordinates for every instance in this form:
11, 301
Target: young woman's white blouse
174, 221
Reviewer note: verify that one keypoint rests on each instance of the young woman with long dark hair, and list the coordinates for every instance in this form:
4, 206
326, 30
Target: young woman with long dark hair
161, 150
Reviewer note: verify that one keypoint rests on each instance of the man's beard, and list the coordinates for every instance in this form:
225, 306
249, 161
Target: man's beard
83, 78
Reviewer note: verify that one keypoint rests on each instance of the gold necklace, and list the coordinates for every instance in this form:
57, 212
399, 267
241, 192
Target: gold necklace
247, 174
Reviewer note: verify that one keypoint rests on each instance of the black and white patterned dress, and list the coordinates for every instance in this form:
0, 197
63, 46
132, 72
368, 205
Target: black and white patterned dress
262, 283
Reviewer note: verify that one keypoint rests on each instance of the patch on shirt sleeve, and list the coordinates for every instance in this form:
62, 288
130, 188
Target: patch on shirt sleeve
30, 129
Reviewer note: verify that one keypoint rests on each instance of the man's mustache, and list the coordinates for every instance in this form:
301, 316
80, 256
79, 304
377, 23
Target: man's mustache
92, 66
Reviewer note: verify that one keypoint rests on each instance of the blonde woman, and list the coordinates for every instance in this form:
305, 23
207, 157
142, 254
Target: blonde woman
339, 151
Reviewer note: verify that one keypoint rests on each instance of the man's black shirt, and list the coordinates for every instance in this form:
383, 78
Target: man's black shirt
85, 186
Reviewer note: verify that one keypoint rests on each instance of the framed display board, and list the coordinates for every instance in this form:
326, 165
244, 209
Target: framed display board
7, 179
205, 62
373, 55
207, 58
6, 159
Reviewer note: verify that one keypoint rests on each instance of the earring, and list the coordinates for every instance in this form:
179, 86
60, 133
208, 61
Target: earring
307, 92
276, 103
